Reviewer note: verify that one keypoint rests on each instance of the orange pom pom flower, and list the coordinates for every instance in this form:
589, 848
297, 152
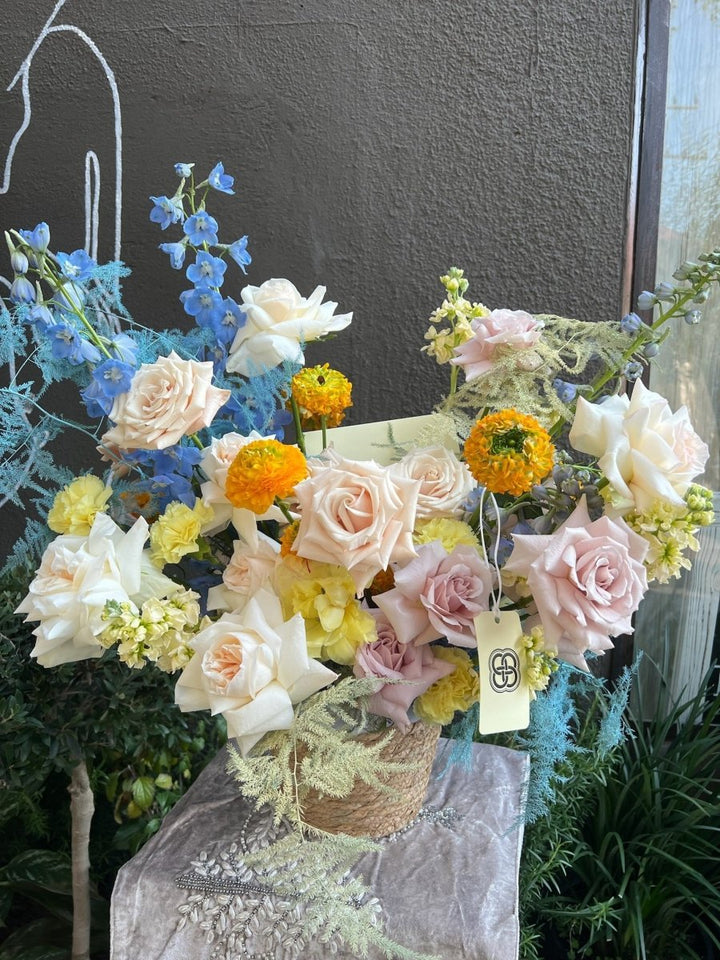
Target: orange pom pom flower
321, 392
262, 471
509, 452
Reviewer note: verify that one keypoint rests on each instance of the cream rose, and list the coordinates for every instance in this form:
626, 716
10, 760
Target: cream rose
587, 580
512, 330
355, 514
445, 482
76, 576
646, 451
252, 667
167, 400
249, 568
278, 321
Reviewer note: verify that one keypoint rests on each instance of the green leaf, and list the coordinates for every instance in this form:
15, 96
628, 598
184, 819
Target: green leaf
143, 791
41, 868
45, 939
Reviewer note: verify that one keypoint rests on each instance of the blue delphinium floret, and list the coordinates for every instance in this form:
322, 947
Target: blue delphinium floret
565, 391
201, 228
176, 252
203, 303
39, 238
229, 321
184, 169
77, 265
22, 291
630, 323
646, 300
219, 180
41, 318
238, 251
207, 270
166, 210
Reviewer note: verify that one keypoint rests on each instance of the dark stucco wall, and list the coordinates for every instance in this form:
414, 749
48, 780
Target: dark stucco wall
374, 145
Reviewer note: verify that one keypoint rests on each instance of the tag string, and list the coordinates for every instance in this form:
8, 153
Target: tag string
496, 597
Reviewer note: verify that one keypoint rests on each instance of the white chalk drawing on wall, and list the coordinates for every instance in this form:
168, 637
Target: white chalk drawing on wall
92, 163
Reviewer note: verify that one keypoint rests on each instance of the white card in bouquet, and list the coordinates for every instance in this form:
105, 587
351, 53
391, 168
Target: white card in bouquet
504, 691
384, 440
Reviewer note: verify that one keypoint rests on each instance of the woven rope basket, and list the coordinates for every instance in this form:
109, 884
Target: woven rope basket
368, 812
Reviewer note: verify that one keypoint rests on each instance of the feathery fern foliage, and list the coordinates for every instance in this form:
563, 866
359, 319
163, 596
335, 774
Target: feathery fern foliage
567, 347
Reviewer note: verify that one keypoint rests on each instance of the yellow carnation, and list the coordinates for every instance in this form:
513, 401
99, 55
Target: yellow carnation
335, 623
450, 533
74, 508
175, 533
457, 691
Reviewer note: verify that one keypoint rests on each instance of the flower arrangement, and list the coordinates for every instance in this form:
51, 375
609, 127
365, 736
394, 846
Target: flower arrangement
281, 583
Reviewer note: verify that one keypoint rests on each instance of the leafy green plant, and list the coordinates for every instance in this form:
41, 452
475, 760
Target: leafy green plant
141, 754
637, 865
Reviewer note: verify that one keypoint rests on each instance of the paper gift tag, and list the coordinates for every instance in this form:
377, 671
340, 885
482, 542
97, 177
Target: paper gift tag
504, 691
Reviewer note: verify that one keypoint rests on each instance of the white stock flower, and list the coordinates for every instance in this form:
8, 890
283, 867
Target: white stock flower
278, 321
646, 451
252, 667
76, 576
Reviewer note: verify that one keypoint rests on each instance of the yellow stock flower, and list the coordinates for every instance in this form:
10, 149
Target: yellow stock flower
335, 623
450, 533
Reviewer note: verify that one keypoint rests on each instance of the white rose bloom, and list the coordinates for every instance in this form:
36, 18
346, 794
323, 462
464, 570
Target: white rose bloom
278, 320
646, 451
252, 667
76, 576
445, 482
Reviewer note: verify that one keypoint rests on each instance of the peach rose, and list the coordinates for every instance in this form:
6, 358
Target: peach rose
510, 329
646, 451
587, 580
167, 400
357, 515
252, 666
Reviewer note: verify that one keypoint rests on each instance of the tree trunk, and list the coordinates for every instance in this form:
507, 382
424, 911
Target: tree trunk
82, 807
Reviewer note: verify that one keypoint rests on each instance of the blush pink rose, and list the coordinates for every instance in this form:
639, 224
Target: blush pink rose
438, 595
357, 515
389, 659
587, 579
167, 400
511, 329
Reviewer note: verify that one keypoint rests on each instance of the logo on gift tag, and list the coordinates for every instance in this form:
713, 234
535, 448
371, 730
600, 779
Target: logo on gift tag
504, 691
504, 670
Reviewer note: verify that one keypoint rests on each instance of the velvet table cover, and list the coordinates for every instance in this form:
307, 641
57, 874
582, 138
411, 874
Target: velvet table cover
447, 884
